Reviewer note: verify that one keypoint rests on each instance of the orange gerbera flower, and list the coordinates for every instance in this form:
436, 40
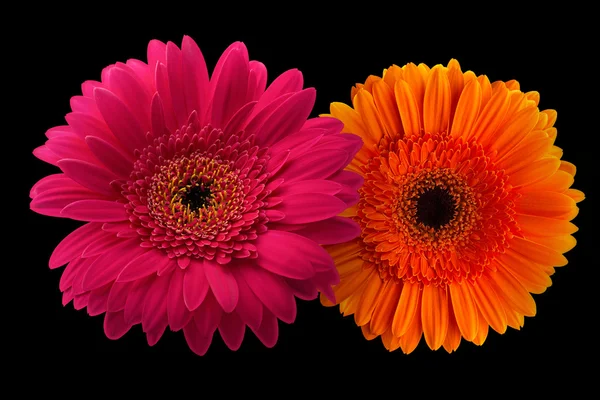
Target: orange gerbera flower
464, 211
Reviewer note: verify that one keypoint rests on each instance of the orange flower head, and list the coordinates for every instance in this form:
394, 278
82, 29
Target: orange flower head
465, 208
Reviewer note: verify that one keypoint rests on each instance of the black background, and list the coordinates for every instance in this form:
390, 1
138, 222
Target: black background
333, 52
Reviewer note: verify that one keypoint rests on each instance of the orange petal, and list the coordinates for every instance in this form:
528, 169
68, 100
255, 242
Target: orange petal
547, 204
383, 315
390, 342
464, 309
350, 285
488, 304
436, 103
407, 307
552, 115
486, 89
352, 120
408, 108
537, 253
533, 96
482, 332
561, 244
534, 172
369, 299
409, 341
514, 130
560, 181
512, 291
414, 77
457, 84
491, 116
533, 147
531, 275
367, 333
576, 195
365, 106
467, 109
350, 211
513, 85
453, 336
532, 225
568, 167
386, 104
434, 315
393, 74
352, 302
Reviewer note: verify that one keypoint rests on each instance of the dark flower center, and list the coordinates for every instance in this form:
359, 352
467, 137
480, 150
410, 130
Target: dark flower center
435, 207
197, 196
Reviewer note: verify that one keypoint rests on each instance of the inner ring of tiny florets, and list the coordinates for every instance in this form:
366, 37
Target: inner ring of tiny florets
196, 195
434, 209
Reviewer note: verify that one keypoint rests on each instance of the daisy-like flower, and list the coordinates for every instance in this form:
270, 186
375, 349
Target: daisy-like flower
207, 200
464, 211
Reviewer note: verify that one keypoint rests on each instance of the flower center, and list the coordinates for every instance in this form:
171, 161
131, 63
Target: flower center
197, 196
435, 207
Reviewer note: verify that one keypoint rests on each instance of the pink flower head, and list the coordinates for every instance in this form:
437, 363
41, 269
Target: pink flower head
206, 199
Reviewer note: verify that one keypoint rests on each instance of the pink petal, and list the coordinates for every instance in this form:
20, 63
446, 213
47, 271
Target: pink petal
303, 208
299, 143
95, 211
135, 300
249, 308
158, 117
269, 329
120, 120
118, 296
101, 245
76, 285
46, 155
324, 280
232, 330
67, 296
86, 125
74, 243
272, 291
257, 119
91, 176
330, 124
68, 275
278, 252
154, 314
162, 88
85, 105
238, 120
314, 165
87, 88
229, 88
157, 52
352, 180
303, 289
310, 186
115, 326
114, 159
195, 76
143, 265
144, 73
51, 202
222, 284
50, 182
347, 142
331, 231
257, 80
80, 301
288, 118
208, 316
198, 344
70, 146
98, 300
290, 81
177, 313
175, 74
136, 98
107, 266
195, 285
154, 336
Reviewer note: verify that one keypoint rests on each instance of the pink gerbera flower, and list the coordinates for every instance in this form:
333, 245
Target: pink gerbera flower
206, 200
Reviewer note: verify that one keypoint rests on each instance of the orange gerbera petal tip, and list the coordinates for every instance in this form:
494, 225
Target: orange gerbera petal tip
465, 208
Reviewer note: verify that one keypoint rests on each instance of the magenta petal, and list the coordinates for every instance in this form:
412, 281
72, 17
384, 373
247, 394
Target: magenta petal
89, 175
310, 186
51, 202
120, 120
128, 89
115, 326
101, 245
177, 312
118, 296
195, 285
279, 253
229, 90
67, 296
135, 300
257, 80
303, 289
50, 182
157, 52
269, 329
208, 316
85, 105
331, 231
107, 266
314, 165
154, 314
332, 125
298, 143
195, 76
143, 72
222, 284
303, 208
80, 301
98, 300
176, 84
143, 265
86, 125
272, 291
238, 120
249, 308
74, 243
352, 180
46, 155
288, 118
95, 210
113, 159
198, 344
158, 127
71, 270
232, 330
258, 119
162, 88
154, 336
70, 146
290, 81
